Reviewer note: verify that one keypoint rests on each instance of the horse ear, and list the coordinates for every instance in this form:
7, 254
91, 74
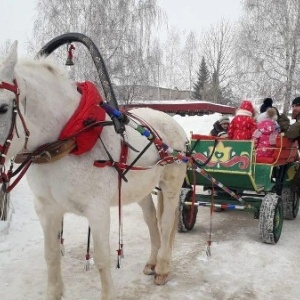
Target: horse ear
9, 63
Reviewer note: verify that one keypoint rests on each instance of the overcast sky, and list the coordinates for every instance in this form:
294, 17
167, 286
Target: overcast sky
16, 16
198, 15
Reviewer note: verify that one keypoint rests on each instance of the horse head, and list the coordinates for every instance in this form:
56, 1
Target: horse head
36, 100
8, 96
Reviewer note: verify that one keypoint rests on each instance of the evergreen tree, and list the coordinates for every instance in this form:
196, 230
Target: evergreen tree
202, 80
216, 92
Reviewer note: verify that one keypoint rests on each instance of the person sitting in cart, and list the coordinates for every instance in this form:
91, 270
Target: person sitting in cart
266, 133
243, 124
220, 127
282, 120
293, 133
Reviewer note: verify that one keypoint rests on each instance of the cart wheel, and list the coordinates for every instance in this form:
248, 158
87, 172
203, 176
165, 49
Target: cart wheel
290, 200
271, 218
184, 211
4, 202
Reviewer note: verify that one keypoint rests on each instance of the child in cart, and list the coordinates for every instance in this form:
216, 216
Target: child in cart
265, 134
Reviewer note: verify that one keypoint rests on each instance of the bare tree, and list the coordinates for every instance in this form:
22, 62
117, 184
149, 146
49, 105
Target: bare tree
269, 46
174, 75
190, 59
122, 30
218, 50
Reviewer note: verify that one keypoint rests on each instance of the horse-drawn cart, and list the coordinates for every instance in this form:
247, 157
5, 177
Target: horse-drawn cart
234, 179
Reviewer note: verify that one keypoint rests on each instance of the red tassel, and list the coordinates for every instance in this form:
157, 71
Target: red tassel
87, 264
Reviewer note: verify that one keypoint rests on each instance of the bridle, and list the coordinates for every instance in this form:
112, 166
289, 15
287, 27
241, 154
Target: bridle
4, 177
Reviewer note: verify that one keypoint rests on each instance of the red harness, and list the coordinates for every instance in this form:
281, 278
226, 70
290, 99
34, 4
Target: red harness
165, 158
80, 126
88, 112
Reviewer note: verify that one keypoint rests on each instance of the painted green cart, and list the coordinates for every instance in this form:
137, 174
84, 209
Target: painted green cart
234, 179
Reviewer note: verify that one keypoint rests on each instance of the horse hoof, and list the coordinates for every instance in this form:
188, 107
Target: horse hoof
160, 279
149, 269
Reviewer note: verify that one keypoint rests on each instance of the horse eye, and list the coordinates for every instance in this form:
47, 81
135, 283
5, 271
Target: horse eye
3, 108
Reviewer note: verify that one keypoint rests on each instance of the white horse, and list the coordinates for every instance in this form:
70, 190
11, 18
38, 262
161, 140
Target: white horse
72, 184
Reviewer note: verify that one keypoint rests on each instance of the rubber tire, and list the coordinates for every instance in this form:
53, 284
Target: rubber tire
290, 200
185, 210
271, 218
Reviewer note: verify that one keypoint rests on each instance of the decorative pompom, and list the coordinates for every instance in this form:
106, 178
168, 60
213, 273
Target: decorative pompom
88, 263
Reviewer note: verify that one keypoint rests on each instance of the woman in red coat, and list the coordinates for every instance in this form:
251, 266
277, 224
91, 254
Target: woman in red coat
243, 124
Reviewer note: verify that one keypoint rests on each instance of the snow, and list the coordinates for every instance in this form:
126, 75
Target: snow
177, 101
241, 266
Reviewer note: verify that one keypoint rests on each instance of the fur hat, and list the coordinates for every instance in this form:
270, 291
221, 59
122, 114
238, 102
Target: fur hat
268, 102
224, 120
296, 101
247, 105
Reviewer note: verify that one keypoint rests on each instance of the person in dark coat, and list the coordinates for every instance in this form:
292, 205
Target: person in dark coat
220, 128
293, 133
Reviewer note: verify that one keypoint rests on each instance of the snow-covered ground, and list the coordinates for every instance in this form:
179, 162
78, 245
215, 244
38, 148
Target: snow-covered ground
241, 266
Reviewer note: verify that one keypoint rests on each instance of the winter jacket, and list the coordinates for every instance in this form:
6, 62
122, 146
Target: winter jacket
265, 138
270, 114
284, 122
294, 131
218, 130
242, 126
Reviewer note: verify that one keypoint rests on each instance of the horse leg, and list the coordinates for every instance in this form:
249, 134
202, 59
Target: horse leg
100, 226
167, 217
51, 217
149, 213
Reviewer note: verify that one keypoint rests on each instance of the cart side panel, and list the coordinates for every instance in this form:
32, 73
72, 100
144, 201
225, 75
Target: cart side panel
226, 155
263, 176
228, 161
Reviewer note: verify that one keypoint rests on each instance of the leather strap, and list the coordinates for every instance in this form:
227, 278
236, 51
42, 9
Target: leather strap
49, 153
